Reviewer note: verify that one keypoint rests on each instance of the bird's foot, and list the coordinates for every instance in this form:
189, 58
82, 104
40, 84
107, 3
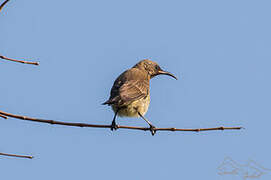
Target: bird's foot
152, 129
114, 126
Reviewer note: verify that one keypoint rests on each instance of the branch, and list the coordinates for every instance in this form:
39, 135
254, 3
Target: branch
2, 116
19, 61
109, 126
3, 4
16, 155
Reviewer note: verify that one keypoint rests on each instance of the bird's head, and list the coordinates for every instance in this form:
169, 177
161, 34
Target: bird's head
152, 68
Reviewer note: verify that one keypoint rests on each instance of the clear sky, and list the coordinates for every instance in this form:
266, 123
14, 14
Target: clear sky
220, 50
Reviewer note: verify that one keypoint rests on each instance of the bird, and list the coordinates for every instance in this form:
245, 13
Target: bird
130, 93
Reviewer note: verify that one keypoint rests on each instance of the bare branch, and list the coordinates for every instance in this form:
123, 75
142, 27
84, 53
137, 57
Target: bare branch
3, 4
16, 155
19, 61
109, 126
2, 116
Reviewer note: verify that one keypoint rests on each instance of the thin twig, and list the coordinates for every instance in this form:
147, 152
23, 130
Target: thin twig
109, 126
19, 61
16, 155
3, 4
2, 116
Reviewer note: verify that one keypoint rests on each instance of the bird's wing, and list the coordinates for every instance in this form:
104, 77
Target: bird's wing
133, 90
129, 86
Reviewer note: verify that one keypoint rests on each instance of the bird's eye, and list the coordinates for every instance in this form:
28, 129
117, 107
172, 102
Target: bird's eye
157, 67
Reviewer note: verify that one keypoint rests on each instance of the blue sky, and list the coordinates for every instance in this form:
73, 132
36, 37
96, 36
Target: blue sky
220, 50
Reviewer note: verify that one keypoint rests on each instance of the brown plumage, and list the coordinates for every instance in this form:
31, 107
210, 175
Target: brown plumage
130, 94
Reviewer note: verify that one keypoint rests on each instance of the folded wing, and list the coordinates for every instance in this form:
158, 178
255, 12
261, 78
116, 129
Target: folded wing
129, 86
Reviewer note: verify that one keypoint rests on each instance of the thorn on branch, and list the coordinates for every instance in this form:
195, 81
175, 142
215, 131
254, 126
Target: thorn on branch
19, 61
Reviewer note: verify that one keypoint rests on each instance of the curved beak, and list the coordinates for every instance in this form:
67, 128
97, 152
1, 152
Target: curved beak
167, 73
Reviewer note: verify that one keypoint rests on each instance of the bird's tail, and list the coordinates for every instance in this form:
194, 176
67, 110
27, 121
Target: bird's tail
111, 101
108, 102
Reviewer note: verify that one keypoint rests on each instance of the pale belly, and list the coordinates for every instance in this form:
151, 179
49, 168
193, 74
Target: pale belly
132, 109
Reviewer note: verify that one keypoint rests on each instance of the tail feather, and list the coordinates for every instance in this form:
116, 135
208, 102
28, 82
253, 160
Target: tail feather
108, 102
111, 101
